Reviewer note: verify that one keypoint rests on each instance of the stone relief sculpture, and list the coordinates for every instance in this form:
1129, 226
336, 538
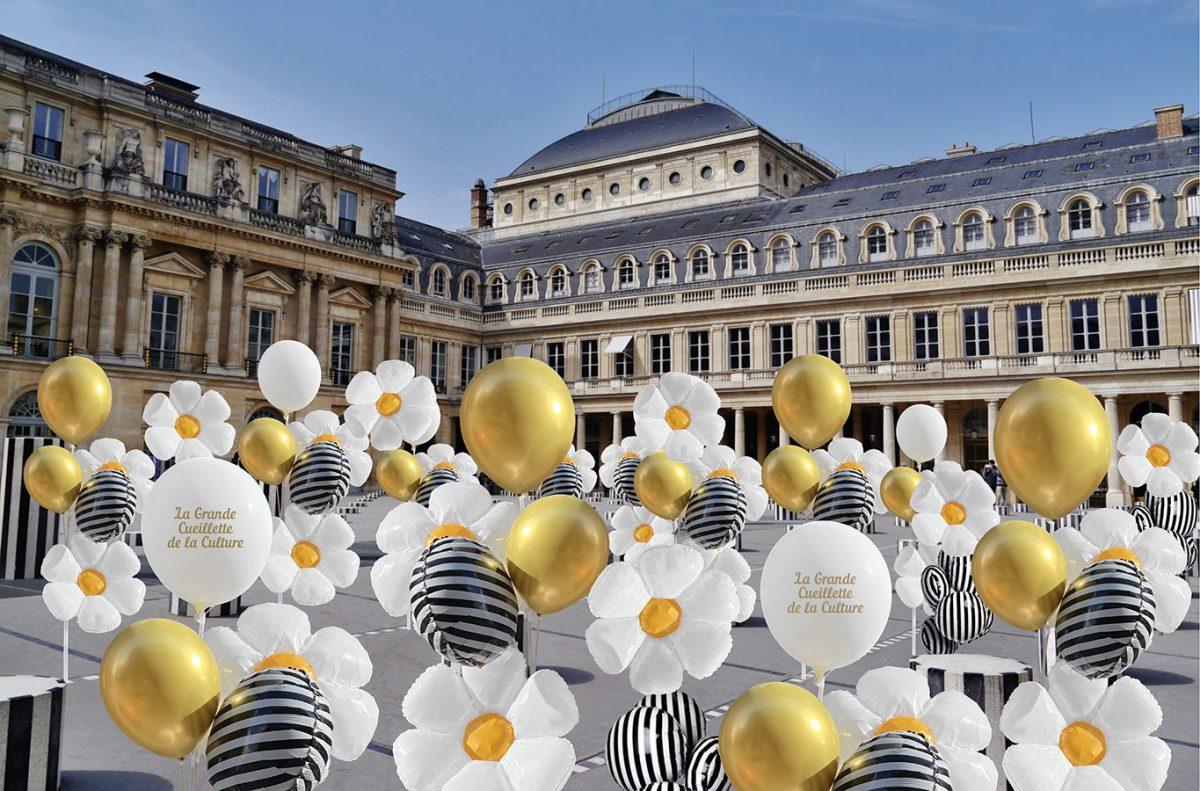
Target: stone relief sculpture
128, 158
312, 207
227, 183
383, 222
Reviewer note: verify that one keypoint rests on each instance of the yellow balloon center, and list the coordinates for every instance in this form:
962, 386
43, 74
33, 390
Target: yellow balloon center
306, 554
643, 533
569, 460
487, 737
723, 472
850, 465
905, 725
660, 617
388, 404
112, 465
954, 513
1119, 553
1083, 744
444, 465
449, 531
630, 455
91, 582
327, 438
1158, 456
187, 427
678, 418
286, 659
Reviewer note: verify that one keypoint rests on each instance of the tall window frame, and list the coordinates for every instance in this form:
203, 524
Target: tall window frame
660, 353
699, 352
977, 333
828, 335
739, 348
1029, 330
926, 336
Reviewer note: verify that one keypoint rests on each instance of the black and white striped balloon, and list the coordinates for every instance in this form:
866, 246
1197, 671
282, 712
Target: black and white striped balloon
273, 733
432, 480
1106, 619
320, 477
933, 641
1176, 515
705, 772
645, 745
898, 761
716, 512
623, 480
962, 617
463, 602
958, 571
105, 506
666, 785
935, 585
1142, 517
566, 479
686, 711
846, 497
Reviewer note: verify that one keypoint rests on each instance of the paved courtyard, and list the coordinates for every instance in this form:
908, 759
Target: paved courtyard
98, 757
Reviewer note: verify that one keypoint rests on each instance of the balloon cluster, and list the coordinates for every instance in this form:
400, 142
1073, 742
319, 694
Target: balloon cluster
663, 740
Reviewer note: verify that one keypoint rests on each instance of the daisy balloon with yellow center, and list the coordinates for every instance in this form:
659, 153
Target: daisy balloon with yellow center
392, 405
311, 557
92, 583
636, 530
678, 416
1160, 455
187, 423
613, 455
110, 454
954, 508
443, 457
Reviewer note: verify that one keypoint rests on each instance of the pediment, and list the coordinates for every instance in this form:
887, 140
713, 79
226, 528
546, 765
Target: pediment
267, 280
349, 296
173, 264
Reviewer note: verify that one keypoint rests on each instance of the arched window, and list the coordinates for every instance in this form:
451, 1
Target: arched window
25, 419
625, 273
439, 282
662, 268
558, 282
974, 237
739, 259
1079, 219
1192, 205
468, 289
33, 290
591, 279
924, 242
877, 244
265, 411
1025, 225
1137, 212
528, 286
700, 263
497, 290
781, 256
827, 249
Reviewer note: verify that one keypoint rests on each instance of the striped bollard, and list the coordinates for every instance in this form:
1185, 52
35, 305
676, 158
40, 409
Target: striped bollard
184, 609
31, 715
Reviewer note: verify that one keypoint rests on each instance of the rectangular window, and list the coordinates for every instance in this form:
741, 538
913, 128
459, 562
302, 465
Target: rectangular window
347, 212
662, 269
924, 242
1139, 158
698, 357
1031, 337
176, 154
829, 339
781, 256
437, 365
165, 314
739, 348
660, 353
408, 279
977, 339
556, 358
467, 363
982, 182
1085, 325
47, 131
492, 354
841, 202
925, 335
1025, 225
1084, 166
341, 353
879, 339
623, 362
268, 189
261, 334
1143, 321
408, 349
936, 188
783, 346
1032, 174
589, 359
890, 195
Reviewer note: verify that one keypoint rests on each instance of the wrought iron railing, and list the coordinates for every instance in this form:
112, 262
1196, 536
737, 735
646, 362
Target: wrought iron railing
340, 376
168, 360
251, 366
39, 348
46, 147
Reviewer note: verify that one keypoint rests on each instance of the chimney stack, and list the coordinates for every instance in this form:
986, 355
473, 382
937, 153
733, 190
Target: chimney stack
1169, 121
481, 207
351, 150
955, 151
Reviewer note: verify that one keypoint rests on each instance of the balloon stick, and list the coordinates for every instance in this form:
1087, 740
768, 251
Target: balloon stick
201, 612
66, 652
820, 677
803, 671
181, 773
912, 613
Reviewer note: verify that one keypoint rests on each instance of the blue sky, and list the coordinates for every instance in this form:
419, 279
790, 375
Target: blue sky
449, 92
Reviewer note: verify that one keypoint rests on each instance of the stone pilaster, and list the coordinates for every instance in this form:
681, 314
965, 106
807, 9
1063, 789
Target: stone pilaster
580, 430
739, 431
889, 432
236, 360
1115, 498
113, 242
394, 298
304, 280
616, 428
379, 320
217, 262
81, 314
131, 346
324, 281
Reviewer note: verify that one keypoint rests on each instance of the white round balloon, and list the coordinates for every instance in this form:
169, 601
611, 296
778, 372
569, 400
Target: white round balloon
826, 594
206, 527
289, 375
921, 432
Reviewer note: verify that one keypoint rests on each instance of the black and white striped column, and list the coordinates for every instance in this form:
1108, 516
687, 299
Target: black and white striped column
31, 715
27, 531
184, 609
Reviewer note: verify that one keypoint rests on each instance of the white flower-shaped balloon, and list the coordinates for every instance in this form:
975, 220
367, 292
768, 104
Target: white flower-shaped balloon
890, 699
585, 462
110, 454
311, 556
954, 508
1083, 734
723, 460
1112, 534
678, 417
1161, 455
910, 562
186, 423
92, 583
279, 635
321, 425
730, 561
610, 457
443, 456
665, 615
462, 508
490, 729
845, 453
635, 530
393, 405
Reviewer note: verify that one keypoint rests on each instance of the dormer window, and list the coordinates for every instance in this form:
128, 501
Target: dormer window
974, 236
739, 259
924, 242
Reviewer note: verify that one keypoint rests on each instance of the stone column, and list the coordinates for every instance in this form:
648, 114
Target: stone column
81, 310
114, 240
1115, 498
322, 334
212, 328
889, 432
784, 439
941, 410
394, 334
11, 224
236, 359
993, 407
131, 346
616, 428
739, 431
580, 430
1174, 408
304, 280
379, 322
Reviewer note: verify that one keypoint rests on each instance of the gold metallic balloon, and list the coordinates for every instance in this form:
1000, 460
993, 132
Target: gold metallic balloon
896, 490
267, 450
518, 421
791, 476
399, 474
52, 477
161, 686
663, 485
811, 399
557, 547
74, 397
779, 737
1053, 444
1020, 573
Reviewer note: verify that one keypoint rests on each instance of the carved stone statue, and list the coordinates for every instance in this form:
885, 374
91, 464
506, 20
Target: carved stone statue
227, 183
383, 222
312, 207
128, 158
